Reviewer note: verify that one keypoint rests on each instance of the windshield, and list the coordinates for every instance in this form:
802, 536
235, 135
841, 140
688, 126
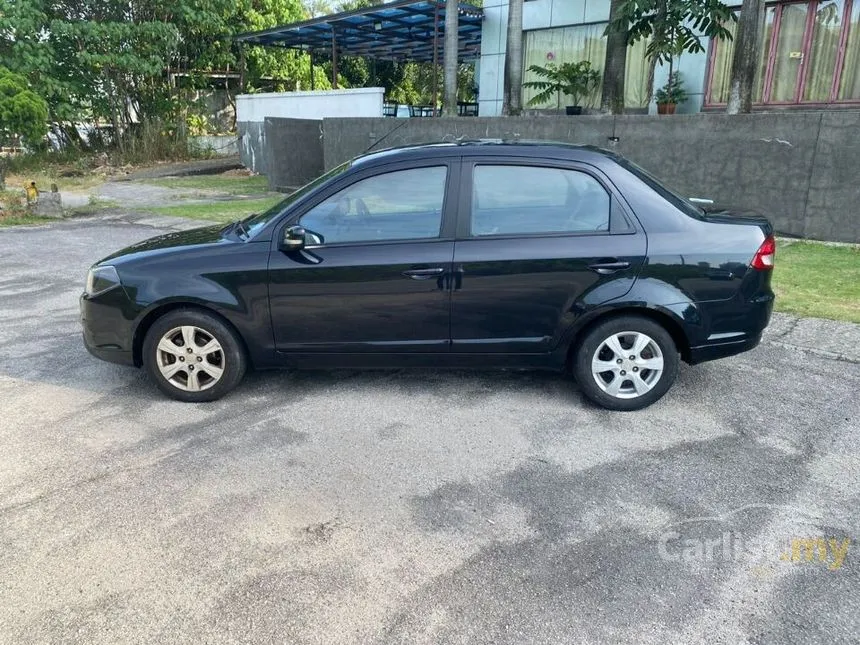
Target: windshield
681, 203
254, 223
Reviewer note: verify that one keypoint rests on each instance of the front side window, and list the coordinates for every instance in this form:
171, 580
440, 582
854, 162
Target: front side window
512, 200
399, 205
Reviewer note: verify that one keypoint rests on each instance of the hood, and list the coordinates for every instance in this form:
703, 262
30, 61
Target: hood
172, 241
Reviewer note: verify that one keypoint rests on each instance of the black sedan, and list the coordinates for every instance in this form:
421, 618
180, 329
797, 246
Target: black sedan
469, 255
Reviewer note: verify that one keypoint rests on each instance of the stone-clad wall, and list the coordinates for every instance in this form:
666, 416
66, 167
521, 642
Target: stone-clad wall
801, 169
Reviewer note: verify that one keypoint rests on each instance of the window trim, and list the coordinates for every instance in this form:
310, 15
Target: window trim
620, 222
448, 220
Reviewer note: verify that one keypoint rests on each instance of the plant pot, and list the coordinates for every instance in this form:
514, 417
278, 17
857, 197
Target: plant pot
573, 110
665, 108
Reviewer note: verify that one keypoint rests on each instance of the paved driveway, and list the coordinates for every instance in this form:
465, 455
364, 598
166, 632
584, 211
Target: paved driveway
415, 507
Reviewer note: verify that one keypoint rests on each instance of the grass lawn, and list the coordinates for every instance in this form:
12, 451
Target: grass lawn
225, 211
225, 184
22, 220
818, 280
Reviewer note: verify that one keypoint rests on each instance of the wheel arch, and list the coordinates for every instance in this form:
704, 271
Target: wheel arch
663, 317
156, 312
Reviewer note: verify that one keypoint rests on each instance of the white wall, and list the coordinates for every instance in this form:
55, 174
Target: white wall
542, 14
364, 101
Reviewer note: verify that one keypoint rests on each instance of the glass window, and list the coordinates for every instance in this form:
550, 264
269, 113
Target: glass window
849, 83
823, 50
557, 201
579, 43
254, 223
400, 205
806, 44
721, 75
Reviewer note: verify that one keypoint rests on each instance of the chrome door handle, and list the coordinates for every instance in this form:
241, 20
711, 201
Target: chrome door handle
607, 268
424, 274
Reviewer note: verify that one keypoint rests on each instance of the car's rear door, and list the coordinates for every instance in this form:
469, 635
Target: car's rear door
374, 275
538, 243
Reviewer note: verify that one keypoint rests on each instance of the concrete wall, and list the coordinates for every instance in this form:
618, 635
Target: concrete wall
798, 168
252, 110
364, 101
221, 145
544, 14
294, 152
252, 145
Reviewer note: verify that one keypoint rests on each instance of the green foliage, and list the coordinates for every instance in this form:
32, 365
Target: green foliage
577, 80
23, 113
673, 26
115, 61
673, 91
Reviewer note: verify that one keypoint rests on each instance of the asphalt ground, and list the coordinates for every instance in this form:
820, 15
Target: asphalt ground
415, 506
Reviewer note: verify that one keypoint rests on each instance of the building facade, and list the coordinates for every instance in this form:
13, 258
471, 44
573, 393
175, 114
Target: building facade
810, 55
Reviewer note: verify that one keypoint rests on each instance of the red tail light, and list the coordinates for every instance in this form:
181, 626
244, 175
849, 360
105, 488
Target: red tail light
763, 258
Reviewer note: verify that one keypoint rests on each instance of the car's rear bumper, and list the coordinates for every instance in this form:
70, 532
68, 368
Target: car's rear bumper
739, 331
713, 351
107, 332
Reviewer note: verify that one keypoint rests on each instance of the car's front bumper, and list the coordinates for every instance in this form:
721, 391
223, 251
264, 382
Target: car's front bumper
107, 329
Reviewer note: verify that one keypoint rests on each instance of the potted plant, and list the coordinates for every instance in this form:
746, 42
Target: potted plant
670, 94
577, 80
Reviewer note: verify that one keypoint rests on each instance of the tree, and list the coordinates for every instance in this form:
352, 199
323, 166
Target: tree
746, 56
615, 63
673, 26
512, 104
451, 67
23, 113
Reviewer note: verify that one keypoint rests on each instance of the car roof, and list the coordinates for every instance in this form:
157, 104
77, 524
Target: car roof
535, 149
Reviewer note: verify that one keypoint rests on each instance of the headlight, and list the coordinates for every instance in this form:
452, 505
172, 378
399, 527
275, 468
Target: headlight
100, 279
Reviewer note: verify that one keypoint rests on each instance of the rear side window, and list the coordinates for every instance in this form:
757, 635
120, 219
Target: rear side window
511, 200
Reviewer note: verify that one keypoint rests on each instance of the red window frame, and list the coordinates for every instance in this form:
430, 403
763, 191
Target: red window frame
802, 73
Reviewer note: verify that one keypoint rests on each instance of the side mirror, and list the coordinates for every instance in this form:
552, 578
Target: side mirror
294, 239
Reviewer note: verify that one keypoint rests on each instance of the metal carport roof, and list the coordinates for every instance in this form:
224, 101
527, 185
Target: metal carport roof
401, 30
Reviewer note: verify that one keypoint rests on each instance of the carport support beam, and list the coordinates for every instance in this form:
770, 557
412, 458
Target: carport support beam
333, 59
242, 67
435, 56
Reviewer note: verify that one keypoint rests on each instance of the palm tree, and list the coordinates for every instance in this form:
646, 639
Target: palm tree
452, 16
615, 65
746, 56
513, 99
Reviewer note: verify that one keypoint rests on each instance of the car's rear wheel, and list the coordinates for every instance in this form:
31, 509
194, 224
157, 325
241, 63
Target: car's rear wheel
193, 356
626, 363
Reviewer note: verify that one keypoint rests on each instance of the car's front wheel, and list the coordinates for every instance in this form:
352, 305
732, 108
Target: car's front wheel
626, 363
193, 356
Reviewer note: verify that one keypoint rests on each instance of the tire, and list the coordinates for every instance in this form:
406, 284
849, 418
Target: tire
204, 369
642, 380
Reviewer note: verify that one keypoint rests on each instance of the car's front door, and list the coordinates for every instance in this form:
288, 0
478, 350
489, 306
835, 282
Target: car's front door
538, 244
373, 276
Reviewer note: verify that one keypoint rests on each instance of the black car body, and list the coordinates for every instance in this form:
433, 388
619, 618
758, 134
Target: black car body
536, 245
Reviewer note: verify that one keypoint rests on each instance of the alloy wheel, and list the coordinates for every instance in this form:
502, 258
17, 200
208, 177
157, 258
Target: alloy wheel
190, 358
627, 365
